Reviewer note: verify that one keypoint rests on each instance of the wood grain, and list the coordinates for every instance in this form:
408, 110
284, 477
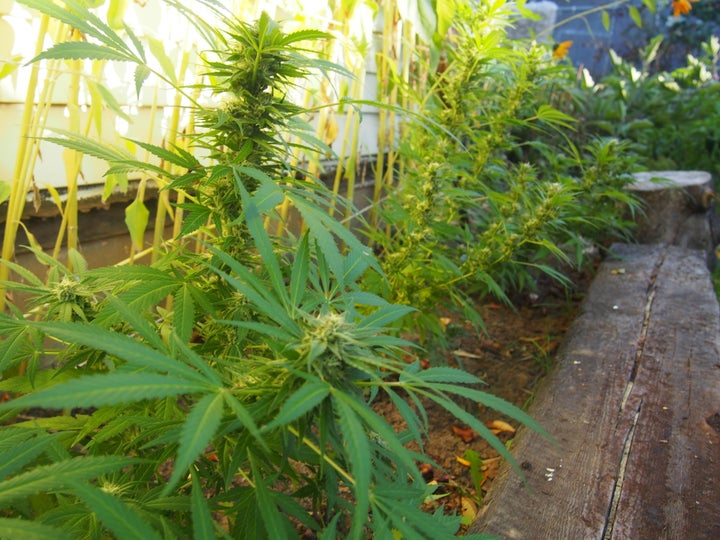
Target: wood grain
631, 405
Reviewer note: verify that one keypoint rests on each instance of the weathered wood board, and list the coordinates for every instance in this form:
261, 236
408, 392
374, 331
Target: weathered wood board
634, 407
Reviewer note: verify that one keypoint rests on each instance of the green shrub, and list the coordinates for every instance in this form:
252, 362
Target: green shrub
497, 194
671, 118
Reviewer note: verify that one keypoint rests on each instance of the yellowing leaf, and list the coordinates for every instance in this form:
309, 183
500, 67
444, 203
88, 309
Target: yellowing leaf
468, 509
331, 130
136, 219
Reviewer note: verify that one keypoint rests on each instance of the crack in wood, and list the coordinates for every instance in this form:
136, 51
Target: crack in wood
639, 352
617, 487
647, 313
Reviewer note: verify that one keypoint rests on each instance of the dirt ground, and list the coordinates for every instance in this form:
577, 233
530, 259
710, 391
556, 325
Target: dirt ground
511, 358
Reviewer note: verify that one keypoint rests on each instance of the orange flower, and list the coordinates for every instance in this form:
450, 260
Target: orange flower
681, 7
562, 49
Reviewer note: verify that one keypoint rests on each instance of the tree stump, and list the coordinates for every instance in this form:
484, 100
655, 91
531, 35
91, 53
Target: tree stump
678, 209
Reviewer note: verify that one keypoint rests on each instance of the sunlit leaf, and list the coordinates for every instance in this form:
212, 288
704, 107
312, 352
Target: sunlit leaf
635, 15
136, 219
142, 72
77, 50
606, 20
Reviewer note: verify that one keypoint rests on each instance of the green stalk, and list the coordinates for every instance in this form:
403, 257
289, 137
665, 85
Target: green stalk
73, 164
164, 205
384, 59
26, 155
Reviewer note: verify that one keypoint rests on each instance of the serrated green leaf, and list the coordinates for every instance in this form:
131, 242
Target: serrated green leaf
23, 453
308, 396
136, 43
415, 426
123, 521
184, 160
30, 530
78, 17
13, 343
244, 416
79, 50
89, 146
142, 72
275, 523
385, 315
202, 520
256, 291
124, 347
496, 403
300, 272
442, 374
59, 475
197, 431
109, 389
183, 313
473, 423
101, 96
24, 273
355, 440
384, 430
136, 321
256, 226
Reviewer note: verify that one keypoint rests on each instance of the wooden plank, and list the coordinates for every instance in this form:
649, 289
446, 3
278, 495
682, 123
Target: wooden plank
601, 406
671, 483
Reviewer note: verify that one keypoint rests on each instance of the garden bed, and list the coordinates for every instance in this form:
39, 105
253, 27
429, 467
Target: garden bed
512, 357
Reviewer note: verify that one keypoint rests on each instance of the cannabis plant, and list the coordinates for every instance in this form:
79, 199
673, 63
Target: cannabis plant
229, 391
498, 195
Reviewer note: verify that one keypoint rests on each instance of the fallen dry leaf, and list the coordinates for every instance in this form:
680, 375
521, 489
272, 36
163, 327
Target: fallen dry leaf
465, 354
465, 433
498, 426
469, 509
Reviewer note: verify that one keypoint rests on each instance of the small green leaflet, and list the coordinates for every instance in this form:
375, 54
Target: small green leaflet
197, 431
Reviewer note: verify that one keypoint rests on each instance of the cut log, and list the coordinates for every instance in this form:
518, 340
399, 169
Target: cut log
634, 407
678, 208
